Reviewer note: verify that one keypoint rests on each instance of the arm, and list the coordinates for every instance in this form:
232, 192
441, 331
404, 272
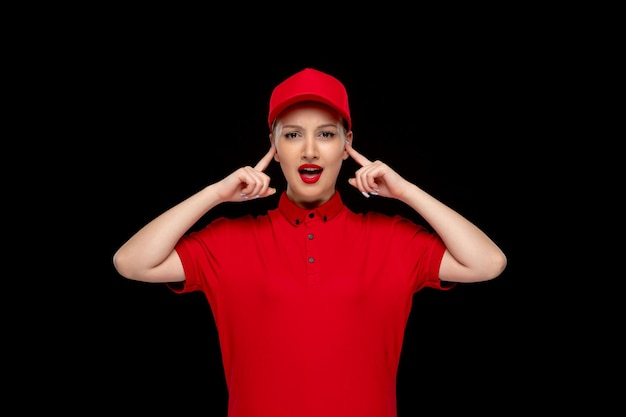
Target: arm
149, 254
470, 256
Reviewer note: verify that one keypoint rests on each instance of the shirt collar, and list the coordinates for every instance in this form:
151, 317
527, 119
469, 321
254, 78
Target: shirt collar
296, 215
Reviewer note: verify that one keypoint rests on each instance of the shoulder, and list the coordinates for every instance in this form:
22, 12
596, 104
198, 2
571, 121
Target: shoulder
229, 226
386, 223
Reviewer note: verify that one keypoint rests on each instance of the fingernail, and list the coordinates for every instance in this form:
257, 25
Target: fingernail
365, 194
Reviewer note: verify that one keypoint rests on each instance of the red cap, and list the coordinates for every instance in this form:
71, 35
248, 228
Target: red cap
310, 85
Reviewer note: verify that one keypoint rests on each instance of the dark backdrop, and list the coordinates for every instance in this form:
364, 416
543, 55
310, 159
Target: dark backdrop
167, 118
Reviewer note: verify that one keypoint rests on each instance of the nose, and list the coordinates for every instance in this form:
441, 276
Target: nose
309, 148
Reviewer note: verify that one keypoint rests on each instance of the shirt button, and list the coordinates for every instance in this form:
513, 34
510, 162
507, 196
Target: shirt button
311, 260
311, 215
310, 236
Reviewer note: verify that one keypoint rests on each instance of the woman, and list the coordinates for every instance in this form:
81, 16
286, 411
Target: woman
310, 299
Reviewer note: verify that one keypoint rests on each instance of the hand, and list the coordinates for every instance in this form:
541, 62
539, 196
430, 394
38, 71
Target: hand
248, 182
375, 178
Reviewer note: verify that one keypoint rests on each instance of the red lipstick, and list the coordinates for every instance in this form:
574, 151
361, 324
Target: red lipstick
310, 173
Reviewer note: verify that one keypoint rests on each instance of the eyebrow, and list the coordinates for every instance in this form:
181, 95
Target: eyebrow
327, 125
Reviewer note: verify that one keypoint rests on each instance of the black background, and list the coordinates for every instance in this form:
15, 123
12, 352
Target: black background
450, 127
162, 116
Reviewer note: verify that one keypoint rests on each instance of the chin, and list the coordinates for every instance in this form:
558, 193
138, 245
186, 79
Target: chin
314, 194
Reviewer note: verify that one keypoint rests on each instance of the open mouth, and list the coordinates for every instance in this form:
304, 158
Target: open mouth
310, 173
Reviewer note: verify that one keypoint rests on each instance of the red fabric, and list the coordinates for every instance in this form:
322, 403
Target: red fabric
310, 84
311, 306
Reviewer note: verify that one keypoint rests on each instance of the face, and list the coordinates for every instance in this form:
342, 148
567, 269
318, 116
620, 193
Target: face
310, 147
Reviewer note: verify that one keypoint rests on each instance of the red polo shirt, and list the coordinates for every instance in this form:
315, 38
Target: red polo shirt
311, 305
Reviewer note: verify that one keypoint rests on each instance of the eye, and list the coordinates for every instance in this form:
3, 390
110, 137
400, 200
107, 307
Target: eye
291, 135
327, 135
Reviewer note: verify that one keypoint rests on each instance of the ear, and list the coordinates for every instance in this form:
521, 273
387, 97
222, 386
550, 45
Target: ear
276, 158
349, 138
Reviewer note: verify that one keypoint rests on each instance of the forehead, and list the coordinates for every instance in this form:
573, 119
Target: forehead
308, 109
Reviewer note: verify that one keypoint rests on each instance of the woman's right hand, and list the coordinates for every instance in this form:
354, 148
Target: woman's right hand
247, 182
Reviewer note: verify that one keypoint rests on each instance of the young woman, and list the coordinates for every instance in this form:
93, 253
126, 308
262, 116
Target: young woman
311, 299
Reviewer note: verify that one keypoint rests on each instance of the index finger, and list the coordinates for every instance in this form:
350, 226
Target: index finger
360, 159
265, 161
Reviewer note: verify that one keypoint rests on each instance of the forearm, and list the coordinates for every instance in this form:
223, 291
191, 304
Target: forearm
153, 243
477, 256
